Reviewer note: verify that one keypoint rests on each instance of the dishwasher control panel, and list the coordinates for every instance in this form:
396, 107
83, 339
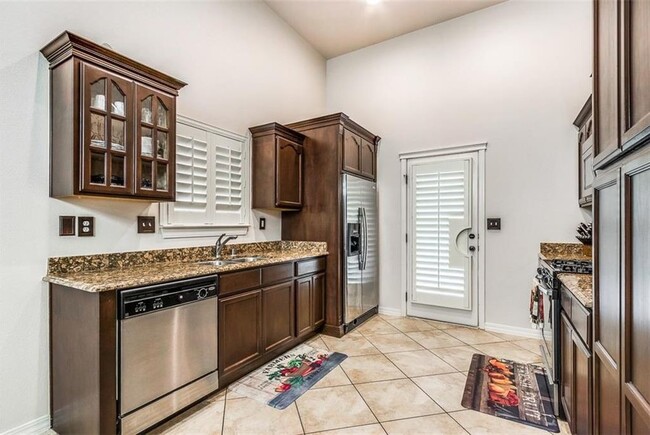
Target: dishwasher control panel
155, 298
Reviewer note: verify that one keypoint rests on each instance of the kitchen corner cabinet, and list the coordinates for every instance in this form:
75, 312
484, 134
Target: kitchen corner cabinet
621, 78
265, 311
277, 167
112, 123
584, 125
359, 154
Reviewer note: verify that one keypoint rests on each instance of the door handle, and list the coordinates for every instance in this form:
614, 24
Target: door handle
364, 237
472, 248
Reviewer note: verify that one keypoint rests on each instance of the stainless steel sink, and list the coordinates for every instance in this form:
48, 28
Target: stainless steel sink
213, 263
230, 261
243, 259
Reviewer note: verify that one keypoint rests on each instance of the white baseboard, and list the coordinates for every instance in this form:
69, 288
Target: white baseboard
513, 330
390, 311
37, 426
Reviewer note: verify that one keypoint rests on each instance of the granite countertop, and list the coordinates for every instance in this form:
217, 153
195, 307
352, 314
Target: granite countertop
106, 272
580, 285
564, 251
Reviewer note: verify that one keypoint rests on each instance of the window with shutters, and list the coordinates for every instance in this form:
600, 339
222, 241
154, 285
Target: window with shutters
211, 183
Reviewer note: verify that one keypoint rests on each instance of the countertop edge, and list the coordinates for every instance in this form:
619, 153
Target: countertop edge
585, 300
205, 270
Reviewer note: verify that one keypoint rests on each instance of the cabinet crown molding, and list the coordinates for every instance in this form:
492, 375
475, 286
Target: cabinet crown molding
68, 44
334, 119
584, 113
279, 129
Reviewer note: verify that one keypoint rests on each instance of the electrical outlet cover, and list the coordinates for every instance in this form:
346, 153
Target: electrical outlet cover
85, 226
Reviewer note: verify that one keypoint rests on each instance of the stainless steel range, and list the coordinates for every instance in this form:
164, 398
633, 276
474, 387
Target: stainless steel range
548, 286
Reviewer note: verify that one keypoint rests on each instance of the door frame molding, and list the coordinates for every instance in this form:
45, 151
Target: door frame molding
481, 149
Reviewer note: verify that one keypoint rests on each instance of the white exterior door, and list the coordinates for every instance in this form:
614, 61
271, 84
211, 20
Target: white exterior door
443, 238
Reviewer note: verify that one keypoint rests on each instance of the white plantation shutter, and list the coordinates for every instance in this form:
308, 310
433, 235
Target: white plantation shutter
228, 175
191, 173
441, 214
211, 183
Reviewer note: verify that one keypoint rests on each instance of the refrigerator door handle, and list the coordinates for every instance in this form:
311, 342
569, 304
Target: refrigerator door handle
362, 246
364, 237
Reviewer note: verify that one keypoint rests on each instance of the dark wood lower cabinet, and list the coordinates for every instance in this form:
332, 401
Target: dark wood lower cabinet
278, 313
582, 396
240, 330
258, 325
575, 377
566, 383
318, 303
304, 306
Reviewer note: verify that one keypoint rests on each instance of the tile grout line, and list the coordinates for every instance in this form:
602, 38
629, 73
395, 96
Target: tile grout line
363, 398
295, 403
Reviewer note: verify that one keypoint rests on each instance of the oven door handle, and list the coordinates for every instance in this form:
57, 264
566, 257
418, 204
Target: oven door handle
544, 290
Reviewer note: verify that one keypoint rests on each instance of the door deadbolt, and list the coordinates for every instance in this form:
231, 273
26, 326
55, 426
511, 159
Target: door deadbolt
472, 236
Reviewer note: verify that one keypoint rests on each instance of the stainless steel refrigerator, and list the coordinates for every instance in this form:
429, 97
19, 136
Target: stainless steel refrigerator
360, 249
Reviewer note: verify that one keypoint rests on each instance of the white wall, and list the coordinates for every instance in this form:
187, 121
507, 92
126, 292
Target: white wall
514, 75
244, 67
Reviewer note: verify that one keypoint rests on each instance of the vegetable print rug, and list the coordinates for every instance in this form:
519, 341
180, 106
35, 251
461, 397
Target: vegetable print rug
287, 377
510, 390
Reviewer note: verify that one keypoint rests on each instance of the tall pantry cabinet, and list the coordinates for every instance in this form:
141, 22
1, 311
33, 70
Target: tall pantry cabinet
621, 327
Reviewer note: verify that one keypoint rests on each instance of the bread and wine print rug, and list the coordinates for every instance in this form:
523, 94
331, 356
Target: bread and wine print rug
510, 390
280, 382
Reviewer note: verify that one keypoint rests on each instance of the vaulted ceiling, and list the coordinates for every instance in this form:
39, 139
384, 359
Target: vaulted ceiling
336, 27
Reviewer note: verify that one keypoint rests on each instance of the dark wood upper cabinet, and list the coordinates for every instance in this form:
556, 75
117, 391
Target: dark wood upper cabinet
100, 127
368, 159
155, 144
621, 78
584, 124
359, 155
351, 152
277, 167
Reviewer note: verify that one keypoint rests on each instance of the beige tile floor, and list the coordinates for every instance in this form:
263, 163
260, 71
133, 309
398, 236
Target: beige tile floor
402, 376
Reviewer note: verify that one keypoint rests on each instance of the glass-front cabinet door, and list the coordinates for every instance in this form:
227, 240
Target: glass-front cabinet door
107, 144
155, 138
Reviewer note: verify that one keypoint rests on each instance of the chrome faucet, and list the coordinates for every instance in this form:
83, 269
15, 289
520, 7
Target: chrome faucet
221, 243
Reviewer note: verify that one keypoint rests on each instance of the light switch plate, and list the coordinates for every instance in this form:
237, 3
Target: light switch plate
66, 225
146, 224
85, 226
494, 223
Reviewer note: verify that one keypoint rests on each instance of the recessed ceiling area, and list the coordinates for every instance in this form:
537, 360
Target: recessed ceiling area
336, 27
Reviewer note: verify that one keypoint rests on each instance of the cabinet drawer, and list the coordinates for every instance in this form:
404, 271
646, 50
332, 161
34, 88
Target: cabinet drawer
277, 273
310, 266
237, 281
581, 319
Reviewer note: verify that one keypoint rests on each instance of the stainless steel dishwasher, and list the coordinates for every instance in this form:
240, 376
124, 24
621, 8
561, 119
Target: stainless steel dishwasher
167, 349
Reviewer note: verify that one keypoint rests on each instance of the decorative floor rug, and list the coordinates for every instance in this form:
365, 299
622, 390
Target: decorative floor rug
510, 390
287, 377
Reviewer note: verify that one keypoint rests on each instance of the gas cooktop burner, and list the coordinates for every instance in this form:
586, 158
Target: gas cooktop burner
571, 266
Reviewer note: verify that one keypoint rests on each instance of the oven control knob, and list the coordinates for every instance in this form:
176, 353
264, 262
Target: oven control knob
540, 271
202, 293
